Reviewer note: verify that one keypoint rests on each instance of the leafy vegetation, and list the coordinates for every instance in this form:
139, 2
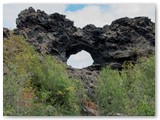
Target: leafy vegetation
128, 92
36, 84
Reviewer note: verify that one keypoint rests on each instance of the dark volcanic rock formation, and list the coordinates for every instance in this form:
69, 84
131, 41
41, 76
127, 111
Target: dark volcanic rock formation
113, 44
88, 76
6, 33
124, 40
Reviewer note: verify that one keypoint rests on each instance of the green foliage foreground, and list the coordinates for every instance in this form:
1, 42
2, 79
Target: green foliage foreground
36, 84
128, 92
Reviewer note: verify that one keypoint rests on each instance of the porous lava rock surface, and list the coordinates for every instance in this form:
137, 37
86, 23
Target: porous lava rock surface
54, 34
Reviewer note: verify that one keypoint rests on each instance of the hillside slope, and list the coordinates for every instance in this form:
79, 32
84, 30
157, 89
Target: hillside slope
37, 80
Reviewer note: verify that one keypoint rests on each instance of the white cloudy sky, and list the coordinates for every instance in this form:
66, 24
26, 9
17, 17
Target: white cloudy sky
80, 60
98, 15
95, 14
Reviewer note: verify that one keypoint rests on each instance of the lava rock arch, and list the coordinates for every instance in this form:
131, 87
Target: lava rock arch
54, 34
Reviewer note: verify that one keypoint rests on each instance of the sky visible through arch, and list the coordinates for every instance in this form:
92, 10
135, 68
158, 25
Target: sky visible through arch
82, 14
77, 61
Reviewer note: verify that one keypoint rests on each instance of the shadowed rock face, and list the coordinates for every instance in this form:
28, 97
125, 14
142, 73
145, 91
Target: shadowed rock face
123, 40
6, 33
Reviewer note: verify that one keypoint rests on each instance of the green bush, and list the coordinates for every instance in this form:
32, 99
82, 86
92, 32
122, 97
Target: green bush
130, 91
16, 56
110, 93
37, 84
54, 87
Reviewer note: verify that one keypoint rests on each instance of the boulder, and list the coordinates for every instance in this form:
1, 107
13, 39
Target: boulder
6, 33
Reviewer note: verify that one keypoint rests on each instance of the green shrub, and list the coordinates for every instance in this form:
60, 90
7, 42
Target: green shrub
110, 93
36, 84
130, 91
17, 55
54, 87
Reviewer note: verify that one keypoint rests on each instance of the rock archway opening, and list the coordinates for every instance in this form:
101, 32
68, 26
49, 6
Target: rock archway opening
80, 60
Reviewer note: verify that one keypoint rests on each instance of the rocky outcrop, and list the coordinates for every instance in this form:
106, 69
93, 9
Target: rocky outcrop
54, 34
6, 33
87, 76
124, 40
